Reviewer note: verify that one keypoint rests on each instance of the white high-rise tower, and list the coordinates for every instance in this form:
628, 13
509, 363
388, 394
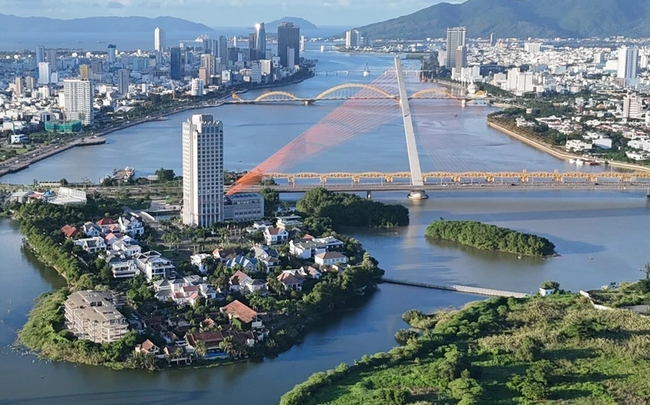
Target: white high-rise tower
159, 40
78, 95
202, 171
628, 65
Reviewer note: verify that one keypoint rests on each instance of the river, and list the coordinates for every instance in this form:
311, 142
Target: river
600, 236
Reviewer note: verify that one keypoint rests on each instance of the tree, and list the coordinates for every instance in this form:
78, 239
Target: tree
200, 349
63, 182
551, 285
227, 345
165, 174
271, 201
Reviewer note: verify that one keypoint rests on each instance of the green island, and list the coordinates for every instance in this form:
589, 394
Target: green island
260, 300
490, 237
536, 350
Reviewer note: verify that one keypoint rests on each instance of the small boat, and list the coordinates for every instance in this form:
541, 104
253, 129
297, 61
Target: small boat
366, 71
572, 161
580, 162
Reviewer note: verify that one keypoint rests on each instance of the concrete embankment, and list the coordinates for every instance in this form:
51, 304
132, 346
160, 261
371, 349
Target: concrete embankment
559, 154
487, 292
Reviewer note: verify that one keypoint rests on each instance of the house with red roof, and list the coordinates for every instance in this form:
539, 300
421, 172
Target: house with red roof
241, 315
70, 232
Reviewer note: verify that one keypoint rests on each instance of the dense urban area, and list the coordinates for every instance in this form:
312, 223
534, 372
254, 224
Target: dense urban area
212, 266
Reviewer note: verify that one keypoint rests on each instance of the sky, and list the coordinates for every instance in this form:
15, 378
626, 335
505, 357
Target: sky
225, 13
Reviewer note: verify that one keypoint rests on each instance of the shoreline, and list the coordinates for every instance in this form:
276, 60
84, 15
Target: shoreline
87, 140
556, 153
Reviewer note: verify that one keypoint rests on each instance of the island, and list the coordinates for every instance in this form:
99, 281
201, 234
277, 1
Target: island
146, 294
490, 237
553, 349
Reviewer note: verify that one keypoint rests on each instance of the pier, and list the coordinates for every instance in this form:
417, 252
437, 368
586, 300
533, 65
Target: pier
486, 292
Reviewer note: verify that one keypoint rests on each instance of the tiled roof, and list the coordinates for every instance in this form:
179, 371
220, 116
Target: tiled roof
240, 311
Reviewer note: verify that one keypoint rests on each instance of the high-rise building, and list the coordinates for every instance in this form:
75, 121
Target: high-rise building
455, 38
97, 67
123, 81
461, 57
260, 41
493, 39
252, 42
30, 83
40, 54
176, 63
352, 39
18, 86
628, 62
222, 48
632, 106
84, 72
234, 41
202, 171
112, 53
532, 47
78, 96
159, 40
196, 89
303, 42
291, 57
44, 73
288, 37
52, 59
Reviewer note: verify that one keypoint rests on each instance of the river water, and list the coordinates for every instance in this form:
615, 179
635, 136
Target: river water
600, 236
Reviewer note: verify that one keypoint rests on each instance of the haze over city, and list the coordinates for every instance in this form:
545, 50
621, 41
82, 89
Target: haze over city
224, 13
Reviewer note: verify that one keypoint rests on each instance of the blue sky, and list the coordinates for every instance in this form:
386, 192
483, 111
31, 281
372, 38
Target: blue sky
218, 13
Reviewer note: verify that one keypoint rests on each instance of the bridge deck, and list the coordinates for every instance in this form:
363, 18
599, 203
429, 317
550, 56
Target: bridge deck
487, 292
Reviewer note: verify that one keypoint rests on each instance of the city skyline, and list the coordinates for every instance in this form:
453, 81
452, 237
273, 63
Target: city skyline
233, 13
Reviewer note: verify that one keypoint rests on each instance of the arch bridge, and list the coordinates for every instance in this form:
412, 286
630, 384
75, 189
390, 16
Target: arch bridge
349, 91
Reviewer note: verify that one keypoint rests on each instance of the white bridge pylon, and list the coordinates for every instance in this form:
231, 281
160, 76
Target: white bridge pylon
411, 146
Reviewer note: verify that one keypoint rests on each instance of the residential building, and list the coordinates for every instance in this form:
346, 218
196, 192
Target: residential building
112, 53
222, 49
243, 207
121, 267
70, 232
352, 39
91, 229
330, 259
628, 65
78, 96
91, 245
123, 81
461, 58
275, 236
632, 106
176, 64
107, 225
18, 86
288, 37
84, 72
153, 265
223, 255
52, 59
267, 256
159, 40
196, 88
532, 47
200, 260
289, 222
44, 73
91, 315
242, 262
203, 198
131, 224
455, 38
241, 315
183, 291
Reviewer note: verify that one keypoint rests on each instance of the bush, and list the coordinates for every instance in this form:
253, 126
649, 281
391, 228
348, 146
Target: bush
403, 336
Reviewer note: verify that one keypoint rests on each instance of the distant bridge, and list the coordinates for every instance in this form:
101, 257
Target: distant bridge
352, 91
487, 292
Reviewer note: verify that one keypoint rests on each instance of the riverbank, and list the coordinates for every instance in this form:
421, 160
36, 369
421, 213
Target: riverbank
19, 163
539, 145
500, 351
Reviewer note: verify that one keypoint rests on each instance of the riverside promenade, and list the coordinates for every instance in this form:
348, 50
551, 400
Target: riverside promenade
486, 292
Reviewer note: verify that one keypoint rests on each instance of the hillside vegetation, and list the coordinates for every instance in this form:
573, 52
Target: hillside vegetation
490, 237
521, 19
557, 350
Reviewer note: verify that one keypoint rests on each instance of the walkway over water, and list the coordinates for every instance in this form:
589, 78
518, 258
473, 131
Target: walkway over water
488, 292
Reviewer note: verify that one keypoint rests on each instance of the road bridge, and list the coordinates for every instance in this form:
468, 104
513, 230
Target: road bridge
486, 292
354, 91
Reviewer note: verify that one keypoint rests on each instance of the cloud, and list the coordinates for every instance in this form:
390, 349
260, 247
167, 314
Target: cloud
114, 4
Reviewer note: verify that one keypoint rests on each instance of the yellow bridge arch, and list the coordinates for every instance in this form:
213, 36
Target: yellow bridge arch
354, 86
276, 94
422, 93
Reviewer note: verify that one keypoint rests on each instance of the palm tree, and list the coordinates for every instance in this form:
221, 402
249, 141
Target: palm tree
646, 270
228, 346
200, 349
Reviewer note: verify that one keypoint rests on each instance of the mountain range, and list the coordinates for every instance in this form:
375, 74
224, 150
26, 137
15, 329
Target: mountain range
521, 19
12, 23
300, 22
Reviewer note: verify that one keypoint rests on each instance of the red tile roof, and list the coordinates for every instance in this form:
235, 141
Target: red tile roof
238, 310
238, 277
330, 255
69, 231
105, 221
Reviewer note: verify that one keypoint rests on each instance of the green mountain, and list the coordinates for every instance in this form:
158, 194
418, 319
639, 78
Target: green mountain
300, 22
12, 23
521, 19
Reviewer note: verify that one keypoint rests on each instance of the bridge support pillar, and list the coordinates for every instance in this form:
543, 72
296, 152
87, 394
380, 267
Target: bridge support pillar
308, 102
463, 103
369, 195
